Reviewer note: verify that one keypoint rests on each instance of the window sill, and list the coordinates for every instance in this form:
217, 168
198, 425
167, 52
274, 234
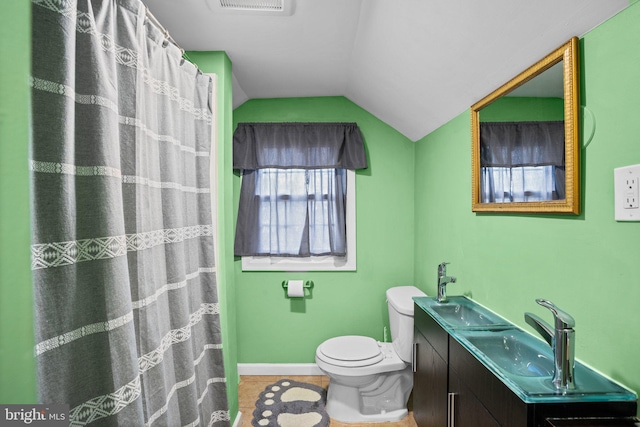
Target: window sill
321, 263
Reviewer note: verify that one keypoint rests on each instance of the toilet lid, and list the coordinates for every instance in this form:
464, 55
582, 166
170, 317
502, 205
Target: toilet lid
352, 350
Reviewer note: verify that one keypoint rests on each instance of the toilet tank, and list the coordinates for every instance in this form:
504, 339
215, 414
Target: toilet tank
400, 303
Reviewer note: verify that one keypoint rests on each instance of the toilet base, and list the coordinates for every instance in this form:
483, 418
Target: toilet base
384, 399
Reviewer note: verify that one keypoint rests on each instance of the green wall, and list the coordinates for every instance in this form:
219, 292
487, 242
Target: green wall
274, 329
17, 364
218, 63
588, 264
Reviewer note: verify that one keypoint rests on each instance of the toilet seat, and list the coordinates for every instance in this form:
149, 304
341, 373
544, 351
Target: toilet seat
351, 351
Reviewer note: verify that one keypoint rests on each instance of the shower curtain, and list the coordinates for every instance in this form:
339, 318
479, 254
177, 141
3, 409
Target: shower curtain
126, 305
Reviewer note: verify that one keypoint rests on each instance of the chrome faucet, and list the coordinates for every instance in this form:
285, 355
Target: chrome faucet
562, 342
443, 279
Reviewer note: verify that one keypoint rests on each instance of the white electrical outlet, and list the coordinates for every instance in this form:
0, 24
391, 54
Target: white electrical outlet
627, 200
631, 193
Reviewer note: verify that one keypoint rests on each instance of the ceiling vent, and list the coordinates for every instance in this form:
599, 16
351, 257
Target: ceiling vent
253, 7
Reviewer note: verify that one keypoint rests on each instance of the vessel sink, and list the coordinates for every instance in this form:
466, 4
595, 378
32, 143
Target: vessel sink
519, 359
526, 363
515, 352
460, 311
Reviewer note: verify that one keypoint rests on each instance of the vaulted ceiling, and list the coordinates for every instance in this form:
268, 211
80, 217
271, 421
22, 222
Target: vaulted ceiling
414, 64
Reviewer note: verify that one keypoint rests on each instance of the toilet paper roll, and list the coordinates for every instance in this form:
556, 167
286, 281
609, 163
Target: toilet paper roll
295, 288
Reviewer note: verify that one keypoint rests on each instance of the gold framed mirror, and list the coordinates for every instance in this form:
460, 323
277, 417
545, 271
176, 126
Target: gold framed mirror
525, 140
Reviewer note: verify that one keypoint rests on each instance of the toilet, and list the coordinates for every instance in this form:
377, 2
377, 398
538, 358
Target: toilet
370, 381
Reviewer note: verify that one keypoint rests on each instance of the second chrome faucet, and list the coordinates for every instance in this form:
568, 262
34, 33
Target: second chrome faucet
443, 280
561, 338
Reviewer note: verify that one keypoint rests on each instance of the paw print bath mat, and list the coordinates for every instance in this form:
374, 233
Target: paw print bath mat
291, 404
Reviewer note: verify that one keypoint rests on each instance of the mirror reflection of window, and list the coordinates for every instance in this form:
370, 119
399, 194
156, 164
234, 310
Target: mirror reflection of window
522, 143
520, 184
522, 161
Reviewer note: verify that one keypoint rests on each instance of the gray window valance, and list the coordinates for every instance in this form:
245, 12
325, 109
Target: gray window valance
298, 146
517, 144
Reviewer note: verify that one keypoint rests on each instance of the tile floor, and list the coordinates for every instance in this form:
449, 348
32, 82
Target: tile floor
251, 386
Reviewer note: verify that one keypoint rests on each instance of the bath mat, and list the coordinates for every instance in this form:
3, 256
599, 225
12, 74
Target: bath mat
290, 403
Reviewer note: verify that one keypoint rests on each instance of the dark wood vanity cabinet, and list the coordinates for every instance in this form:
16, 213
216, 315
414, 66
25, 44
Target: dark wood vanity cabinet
440, 393
453, 388
464, 408
431, 373
494, 403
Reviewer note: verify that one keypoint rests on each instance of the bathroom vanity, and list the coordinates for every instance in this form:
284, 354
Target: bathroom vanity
474, 368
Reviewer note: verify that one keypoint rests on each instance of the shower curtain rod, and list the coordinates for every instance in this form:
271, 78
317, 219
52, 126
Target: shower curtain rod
157, 23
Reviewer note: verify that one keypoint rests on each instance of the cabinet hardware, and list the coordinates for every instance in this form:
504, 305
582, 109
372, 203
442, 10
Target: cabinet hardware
414, 357
451, 412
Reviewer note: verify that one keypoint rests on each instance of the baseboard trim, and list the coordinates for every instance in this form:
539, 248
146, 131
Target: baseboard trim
278, 369
238, 420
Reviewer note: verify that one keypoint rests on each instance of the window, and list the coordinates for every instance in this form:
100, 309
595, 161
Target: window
318, 262
297, 199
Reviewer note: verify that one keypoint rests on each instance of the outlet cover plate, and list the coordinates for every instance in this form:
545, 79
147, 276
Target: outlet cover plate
626, 183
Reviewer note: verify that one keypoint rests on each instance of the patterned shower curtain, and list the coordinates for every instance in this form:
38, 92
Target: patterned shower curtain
127, 313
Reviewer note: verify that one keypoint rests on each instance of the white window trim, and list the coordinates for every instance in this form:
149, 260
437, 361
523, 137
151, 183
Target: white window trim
316, 263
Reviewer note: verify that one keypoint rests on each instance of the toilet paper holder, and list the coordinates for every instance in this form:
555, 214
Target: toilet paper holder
307, 284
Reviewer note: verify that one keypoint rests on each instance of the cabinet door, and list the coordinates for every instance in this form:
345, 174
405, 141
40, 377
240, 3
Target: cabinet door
429, 386
465, 409
495, 397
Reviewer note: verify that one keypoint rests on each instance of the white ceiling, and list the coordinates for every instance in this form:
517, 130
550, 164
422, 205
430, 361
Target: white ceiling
414, 64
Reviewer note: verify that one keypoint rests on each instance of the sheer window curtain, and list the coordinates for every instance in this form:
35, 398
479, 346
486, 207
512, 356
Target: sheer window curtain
293, 212
522, 161
127, 312
293, 193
